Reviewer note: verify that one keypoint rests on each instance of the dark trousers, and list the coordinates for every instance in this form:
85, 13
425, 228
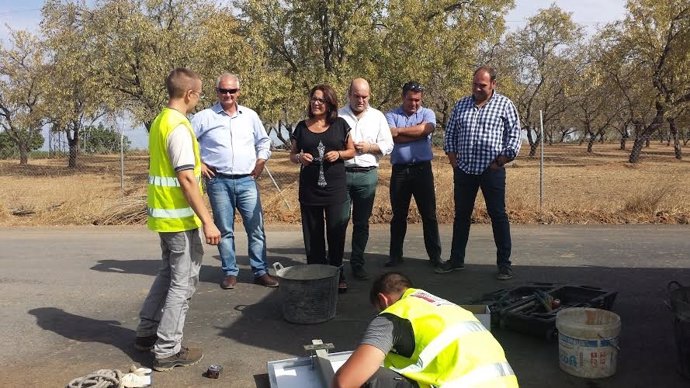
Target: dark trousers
361, 191
416, 181
313, 231
386, 378
493, 185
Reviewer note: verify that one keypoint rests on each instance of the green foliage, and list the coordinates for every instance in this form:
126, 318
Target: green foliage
9, 149
22, 106
100, 140
110, 58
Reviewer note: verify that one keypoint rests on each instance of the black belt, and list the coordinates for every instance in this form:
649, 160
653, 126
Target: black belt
233, 176
406, 165
359, 169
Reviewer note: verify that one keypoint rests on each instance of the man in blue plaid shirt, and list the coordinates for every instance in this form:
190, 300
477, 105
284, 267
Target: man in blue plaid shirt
483, 134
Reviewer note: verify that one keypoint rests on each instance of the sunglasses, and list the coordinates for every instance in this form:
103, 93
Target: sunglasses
227, 91
413, 86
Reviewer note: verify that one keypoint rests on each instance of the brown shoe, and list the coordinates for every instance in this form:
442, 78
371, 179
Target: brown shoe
185, 357
229, 282
266, 280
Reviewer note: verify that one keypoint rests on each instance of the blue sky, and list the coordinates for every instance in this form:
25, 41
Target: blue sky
26, 14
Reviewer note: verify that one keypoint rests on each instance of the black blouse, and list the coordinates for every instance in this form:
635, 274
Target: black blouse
322, 183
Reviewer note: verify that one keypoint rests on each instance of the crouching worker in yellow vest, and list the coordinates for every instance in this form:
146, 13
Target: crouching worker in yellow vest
423, 341
176, 210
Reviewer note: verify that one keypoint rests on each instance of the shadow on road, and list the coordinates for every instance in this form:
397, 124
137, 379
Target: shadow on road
647, 341
208, 273
83, 329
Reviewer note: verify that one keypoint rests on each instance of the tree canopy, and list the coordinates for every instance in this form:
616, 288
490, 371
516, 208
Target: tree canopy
629, 79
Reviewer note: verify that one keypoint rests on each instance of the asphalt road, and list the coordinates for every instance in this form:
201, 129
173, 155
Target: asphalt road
70, 298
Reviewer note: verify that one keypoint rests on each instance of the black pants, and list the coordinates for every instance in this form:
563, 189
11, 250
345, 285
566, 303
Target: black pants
416, 181
386, 378
493, 185
313, 232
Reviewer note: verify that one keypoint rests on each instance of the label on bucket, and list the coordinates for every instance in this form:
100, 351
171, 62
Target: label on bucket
587, 357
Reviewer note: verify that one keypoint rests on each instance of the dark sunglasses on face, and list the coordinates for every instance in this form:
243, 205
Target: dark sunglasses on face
319, 100
227, 91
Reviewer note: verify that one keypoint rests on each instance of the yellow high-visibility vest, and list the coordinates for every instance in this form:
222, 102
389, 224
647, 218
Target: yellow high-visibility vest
452, 348
168, 209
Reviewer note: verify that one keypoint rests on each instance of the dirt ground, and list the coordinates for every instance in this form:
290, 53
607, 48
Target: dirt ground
578, 188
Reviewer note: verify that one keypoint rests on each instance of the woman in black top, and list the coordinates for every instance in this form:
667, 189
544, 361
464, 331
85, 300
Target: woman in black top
320, 144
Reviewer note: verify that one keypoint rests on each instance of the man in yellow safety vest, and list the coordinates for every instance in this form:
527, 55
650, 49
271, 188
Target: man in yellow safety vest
176, 210
423, 341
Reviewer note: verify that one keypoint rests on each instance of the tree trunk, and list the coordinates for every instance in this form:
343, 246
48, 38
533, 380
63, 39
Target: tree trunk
642, 135
590, 143
623, 143
73, 142
23, 154
280, 136
637, 149
676, 141
532, 142
533, 145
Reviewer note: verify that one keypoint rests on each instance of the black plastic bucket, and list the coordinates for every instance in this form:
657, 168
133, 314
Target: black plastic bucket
309, 292
679, 297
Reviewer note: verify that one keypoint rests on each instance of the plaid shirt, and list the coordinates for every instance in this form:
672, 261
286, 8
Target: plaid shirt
478, 136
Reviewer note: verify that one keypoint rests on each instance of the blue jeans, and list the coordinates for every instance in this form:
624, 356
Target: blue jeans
493, 185
226, 194
165, 308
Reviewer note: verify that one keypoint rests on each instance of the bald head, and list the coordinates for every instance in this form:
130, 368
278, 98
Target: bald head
358, 95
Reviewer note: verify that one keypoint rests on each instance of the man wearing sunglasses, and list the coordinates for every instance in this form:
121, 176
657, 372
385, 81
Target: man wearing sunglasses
411, 125
234, 149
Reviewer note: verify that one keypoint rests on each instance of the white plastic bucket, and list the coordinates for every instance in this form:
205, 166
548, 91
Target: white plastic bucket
588, 341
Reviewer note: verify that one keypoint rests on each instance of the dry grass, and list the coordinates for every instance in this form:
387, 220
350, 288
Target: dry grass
579, 188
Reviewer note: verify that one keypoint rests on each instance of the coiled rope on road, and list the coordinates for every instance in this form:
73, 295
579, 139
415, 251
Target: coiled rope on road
102, 378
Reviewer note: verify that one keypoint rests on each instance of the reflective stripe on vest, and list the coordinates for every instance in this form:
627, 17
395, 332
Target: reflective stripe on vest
440, 343
481, 374
171, 213
164, 181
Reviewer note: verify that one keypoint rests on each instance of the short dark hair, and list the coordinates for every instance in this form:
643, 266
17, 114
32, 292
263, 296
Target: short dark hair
489, 69
179, 81
389, 283
330, 99
412, 86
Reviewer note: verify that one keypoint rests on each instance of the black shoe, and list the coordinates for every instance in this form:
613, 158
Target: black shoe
435, 262
145, 343
392, 262
185, 357
360, 273
504, 273
449, 266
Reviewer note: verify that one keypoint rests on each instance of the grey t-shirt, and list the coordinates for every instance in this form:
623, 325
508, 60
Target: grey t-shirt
390, 333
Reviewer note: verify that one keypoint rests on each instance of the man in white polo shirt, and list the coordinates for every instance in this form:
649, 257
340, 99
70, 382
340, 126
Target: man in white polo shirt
373, 140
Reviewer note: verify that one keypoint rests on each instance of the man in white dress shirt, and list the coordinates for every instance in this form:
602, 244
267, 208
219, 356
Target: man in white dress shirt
373, 140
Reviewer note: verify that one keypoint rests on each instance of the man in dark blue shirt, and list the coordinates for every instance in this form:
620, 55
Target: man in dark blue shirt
483, 134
